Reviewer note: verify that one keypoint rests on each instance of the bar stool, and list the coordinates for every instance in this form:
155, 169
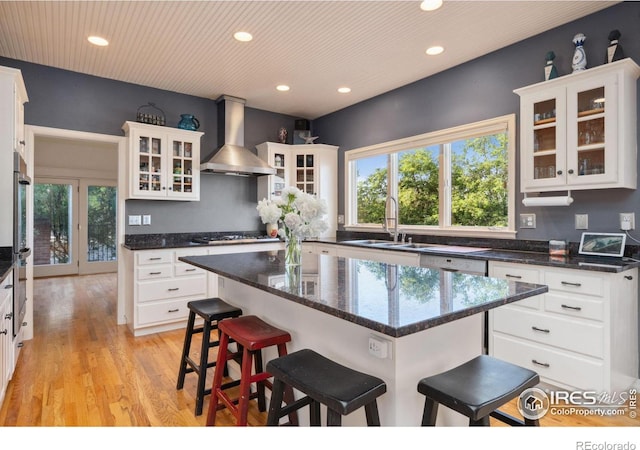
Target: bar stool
476, 389
212, 311
341, 389
252, 334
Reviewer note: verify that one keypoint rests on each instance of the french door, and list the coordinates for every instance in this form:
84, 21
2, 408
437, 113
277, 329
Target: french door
74, 227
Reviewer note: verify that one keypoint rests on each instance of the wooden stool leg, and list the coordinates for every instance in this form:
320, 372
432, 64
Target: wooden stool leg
288, 390
204, 362
245, 388
429, 414
185, 350
276, 403
371, 411
260, 389
334, 418
217, 380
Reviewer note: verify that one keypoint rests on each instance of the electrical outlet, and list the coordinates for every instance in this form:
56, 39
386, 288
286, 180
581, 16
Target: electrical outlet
135, 220
146, 219
379, 348
627, 221
527, 220
341, 219
582, 221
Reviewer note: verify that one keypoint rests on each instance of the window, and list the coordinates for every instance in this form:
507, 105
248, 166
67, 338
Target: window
454, 181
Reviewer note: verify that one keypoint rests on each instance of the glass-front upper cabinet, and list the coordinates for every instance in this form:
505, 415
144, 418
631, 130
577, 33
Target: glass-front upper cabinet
572, 133
164, 162
305, 172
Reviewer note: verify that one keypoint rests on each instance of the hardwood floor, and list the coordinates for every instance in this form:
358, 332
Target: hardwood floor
81, 369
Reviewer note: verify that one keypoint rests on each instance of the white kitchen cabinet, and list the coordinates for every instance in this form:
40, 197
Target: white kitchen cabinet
581, 335
579, 131
159, 286
6, 334
164, 163
312, 168
13, 95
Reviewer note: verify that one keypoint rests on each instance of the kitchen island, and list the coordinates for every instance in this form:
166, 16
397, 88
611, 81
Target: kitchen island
400, 323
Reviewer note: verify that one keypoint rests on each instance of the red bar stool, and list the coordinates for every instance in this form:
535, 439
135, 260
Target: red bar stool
252, 334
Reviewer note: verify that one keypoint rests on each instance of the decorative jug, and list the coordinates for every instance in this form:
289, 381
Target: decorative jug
188, 122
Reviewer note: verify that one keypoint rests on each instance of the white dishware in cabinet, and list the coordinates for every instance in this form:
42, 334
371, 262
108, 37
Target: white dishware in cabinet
164, 163
581, 335
579, 131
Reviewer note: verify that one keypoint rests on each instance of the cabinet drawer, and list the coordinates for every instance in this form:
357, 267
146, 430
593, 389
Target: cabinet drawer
326, 250
578, 283
554, 366
189, 252
182, 269
166, 289
167, 311
574, 335
162, 257
519, 273
154, 271
574, 306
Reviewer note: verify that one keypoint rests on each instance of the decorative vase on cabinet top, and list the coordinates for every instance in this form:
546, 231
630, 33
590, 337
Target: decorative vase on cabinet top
188, 122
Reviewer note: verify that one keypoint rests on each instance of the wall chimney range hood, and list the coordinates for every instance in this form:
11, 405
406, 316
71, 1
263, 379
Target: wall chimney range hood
232, 158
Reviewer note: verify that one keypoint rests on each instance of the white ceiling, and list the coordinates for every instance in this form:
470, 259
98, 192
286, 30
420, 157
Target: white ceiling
313, 46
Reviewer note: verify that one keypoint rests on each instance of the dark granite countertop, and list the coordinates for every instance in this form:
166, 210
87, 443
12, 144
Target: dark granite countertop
573, 261
5, 267
182, 240
392, 299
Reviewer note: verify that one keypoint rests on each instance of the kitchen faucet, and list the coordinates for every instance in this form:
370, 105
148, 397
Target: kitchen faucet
394, 232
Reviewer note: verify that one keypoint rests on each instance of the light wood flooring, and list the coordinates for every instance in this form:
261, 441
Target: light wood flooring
81, 369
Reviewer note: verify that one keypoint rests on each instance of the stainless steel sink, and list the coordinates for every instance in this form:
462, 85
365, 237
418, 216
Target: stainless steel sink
389, 244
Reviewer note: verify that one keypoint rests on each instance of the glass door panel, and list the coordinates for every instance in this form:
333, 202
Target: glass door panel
591, 132
545, 143
54, 239
182, 167
305, 172
98, 227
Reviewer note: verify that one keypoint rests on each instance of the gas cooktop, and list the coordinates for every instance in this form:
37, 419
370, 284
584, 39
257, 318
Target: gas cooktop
232, 239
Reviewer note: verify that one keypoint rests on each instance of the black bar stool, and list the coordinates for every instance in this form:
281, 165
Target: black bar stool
211, 310
341, 389
476, 389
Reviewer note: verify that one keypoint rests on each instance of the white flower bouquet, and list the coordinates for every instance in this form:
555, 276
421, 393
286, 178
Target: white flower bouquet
297, 214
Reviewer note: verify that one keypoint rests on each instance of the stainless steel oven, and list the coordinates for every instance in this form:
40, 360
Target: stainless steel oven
21, 251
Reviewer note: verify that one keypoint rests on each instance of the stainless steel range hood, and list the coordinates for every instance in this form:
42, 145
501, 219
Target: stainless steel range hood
232, 158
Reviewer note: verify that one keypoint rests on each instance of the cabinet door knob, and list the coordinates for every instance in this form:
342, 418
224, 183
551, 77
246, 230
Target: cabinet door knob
570, 171
560, 172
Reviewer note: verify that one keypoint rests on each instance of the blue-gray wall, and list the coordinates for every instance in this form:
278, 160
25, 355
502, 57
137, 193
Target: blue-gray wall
482, 89
474, 91
69, 100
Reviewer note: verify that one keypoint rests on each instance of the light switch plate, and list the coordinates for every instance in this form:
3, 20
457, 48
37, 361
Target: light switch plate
582, 221
135, 220
146, 219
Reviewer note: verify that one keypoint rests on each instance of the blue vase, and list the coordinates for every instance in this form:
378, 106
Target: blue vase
188, 122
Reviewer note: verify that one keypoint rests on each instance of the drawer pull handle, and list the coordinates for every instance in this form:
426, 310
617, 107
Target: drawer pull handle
575, 308
173, 289
5, 331
534, 328
155, 273
155, 259
174, 310
628, 277
539, 363
513, 276
567, 283
325, 252
190, 270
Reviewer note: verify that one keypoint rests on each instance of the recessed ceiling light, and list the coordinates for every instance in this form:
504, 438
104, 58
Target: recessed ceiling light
99, 41
435, 50
344, 90
242, 36
282, 87
430, 5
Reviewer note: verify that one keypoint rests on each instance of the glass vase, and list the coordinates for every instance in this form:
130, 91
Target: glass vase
292, 251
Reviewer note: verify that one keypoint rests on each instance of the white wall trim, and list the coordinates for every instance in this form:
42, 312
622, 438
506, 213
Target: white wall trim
33, 131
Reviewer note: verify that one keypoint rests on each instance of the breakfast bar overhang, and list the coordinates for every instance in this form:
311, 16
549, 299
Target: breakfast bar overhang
400, 323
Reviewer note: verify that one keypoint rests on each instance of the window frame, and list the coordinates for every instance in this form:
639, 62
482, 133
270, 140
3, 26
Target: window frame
502, 124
